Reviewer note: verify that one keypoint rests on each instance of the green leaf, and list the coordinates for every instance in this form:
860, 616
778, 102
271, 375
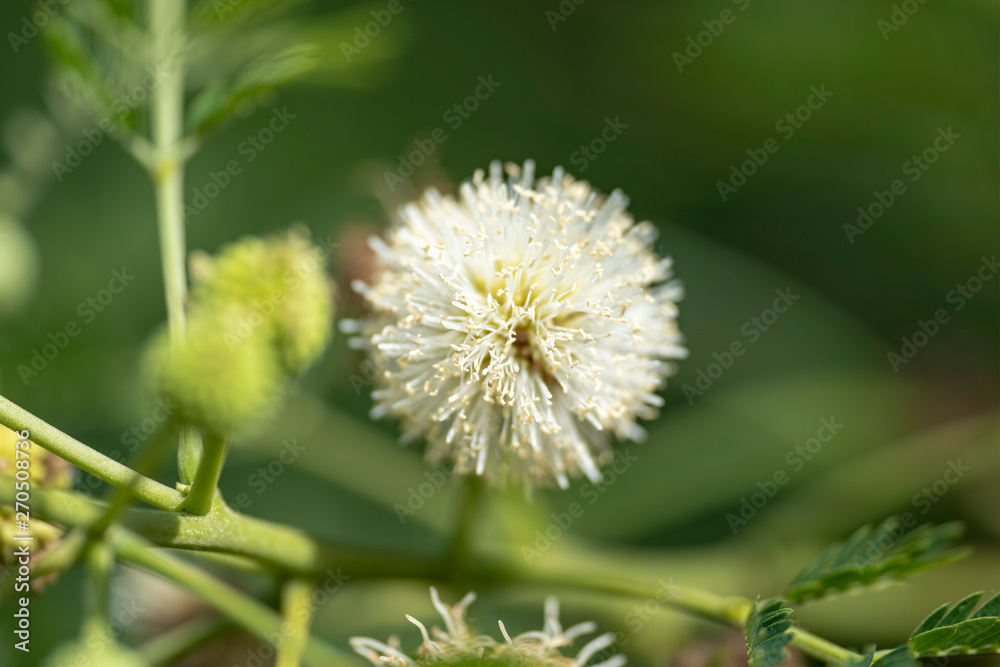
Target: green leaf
959, 631
874, 555
768, 630
220, 100
897, 657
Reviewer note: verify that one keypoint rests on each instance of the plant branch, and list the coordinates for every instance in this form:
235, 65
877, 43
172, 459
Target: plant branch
730, 610
169, 647
82, 456
206, 480
224, 531
250, 614
170, 152
296, 608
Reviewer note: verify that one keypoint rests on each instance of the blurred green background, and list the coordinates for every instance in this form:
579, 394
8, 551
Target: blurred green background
559, 84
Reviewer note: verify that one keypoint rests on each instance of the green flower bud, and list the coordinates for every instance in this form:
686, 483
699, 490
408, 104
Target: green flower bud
274, 288
221, 382
18, 266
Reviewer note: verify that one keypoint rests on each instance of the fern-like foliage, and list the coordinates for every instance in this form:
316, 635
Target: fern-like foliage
875, 555
768, 630
959, 629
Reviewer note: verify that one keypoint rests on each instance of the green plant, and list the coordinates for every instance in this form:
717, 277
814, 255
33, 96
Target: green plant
194, 516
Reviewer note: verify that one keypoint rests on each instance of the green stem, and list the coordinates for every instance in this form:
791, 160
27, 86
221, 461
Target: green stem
145, 464
82, 456
730, 610
169, 647
228, 532
100, 565
247, 612
460, 549
820, 648
206, 481
166, 29
296, 607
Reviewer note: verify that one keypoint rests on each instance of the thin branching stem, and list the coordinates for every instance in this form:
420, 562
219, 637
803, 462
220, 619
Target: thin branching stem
104, 468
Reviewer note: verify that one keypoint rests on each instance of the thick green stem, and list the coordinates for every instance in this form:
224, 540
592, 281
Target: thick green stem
82, 456
244, 610
202, 493
296, 608
228, 532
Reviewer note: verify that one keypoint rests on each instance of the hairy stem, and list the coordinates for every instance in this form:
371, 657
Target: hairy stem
199, 498
82, 456
250, 614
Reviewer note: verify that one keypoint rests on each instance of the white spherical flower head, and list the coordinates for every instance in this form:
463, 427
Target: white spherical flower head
521, 326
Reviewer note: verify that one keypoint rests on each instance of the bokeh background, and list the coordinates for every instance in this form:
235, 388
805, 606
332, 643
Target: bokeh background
562, 76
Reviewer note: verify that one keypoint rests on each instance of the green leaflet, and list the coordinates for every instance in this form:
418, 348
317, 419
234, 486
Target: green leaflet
898, 657
768, 630
217, 102
872, 555
960, 629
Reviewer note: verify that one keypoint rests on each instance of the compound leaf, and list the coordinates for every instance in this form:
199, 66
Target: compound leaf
768, 630
875, 555
960, 629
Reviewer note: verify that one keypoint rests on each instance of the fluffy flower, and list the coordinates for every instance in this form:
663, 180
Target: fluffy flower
456, 645
521, 326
